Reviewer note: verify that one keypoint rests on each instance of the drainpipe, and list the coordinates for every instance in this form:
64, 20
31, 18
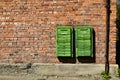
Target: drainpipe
108, 11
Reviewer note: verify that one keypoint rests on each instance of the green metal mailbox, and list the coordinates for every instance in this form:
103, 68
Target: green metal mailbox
84, 41
64, 37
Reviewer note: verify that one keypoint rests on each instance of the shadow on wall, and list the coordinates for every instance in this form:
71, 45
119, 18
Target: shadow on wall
79, 59
118, 36
118, 44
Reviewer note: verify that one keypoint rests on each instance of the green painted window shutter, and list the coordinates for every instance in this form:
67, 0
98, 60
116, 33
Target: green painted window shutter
84, 41
64, 37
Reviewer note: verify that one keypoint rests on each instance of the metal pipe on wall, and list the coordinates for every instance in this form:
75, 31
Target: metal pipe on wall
108, 11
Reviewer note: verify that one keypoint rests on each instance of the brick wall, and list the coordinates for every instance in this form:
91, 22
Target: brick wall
27, 28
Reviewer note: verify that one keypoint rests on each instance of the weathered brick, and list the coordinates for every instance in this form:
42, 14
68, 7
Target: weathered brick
28, 26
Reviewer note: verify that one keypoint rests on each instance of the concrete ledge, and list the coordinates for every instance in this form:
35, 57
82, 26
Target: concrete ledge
73, 69
55, 69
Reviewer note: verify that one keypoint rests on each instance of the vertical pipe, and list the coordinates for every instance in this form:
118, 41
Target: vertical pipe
107, 36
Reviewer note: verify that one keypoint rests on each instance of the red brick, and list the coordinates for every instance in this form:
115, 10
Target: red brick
29, 25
